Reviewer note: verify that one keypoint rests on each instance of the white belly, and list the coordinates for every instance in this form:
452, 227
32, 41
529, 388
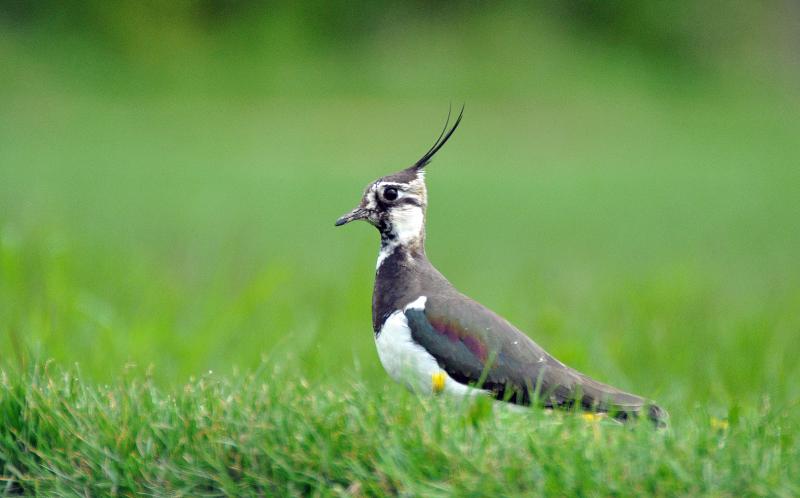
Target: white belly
407, 362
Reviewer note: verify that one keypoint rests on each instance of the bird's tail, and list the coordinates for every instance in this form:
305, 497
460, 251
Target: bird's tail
565, 387
600, 397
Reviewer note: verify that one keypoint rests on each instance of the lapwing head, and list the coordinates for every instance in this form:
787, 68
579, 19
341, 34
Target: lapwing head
395, 204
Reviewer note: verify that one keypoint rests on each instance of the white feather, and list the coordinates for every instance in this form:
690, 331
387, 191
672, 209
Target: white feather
409, 363
407, 225
385, 252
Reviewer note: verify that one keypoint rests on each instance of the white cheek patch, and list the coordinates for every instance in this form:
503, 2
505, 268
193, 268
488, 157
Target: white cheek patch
407, 222
407, 225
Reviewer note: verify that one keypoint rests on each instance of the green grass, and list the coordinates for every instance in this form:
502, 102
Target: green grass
251, 435
639, 222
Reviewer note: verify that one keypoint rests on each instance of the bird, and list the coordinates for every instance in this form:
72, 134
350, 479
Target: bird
433, 338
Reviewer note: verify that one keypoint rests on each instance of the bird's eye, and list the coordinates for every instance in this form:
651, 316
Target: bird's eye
390, 193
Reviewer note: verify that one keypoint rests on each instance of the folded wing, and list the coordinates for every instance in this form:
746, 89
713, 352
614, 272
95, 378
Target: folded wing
476, 346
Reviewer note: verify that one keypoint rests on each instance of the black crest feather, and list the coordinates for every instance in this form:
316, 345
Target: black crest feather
443, 138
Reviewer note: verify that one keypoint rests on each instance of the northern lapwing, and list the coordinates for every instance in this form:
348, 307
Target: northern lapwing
432, 338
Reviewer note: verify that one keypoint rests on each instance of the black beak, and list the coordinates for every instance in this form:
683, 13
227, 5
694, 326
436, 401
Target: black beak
358, 213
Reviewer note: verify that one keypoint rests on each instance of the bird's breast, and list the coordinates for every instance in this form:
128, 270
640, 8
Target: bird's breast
409, 363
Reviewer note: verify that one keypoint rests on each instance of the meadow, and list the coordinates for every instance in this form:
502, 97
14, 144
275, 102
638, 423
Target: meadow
179, 316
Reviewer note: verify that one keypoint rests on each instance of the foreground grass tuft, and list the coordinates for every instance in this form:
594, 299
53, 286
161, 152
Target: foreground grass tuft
261, 434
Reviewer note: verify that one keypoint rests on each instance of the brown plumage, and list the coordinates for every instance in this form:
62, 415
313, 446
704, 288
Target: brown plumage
472, 344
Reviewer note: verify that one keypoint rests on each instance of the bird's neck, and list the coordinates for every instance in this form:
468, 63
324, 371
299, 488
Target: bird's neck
397, 276
404, 233
412, 248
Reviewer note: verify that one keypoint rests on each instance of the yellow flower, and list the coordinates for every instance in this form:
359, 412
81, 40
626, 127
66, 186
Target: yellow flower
720, 424
437, 381
591, 417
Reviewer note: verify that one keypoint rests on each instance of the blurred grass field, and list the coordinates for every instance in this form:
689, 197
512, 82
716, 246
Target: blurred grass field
638, 217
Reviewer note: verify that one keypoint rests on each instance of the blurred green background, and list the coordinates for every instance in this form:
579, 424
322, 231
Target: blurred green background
625, 185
